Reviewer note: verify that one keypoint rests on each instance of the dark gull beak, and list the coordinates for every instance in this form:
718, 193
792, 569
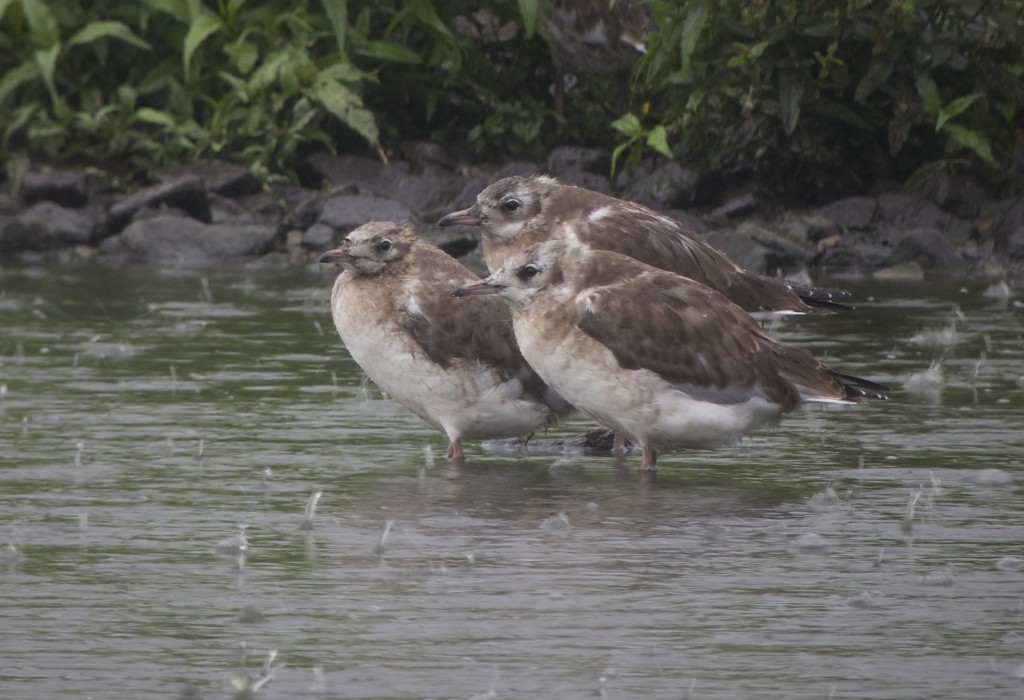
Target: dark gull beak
466, 217
338, 255
476, 288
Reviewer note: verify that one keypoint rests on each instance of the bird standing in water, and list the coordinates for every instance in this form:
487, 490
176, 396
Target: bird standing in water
656, 356
454, 364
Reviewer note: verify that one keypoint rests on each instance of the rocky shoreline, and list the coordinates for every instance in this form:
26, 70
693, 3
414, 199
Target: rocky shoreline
213, 213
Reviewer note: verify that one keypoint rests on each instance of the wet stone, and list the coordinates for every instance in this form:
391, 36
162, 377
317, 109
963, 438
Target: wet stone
929, 248
64, 187
45, 226
340, 215
172, 240
186, 193
226, 179
850, 213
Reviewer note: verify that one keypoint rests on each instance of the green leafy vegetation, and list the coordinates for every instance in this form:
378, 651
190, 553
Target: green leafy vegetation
806, 92
811, 92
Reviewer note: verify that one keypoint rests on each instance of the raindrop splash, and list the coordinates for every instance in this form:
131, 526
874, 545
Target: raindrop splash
379, 549
314, 498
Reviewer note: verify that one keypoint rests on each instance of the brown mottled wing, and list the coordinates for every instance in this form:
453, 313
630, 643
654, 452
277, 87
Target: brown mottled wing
665, 243
689, 336
469, 329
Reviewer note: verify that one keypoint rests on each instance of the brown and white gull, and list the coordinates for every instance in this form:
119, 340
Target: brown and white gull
452, 362
516, 212
659, 357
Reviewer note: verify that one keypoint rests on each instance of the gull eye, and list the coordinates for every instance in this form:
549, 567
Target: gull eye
527, 272
511, 204
384, 246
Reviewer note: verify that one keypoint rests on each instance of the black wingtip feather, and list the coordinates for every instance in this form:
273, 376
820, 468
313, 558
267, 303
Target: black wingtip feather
856, 388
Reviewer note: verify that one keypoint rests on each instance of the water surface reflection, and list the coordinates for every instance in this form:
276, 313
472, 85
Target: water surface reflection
149, 418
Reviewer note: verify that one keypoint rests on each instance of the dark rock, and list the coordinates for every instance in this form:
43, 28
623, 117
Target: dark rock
908, 211
666, 187
226, 179
9, 206
1005, 220
267, 207
420, 153
781, 250
420, 191
46, 226
187, 194
1015, 243
808, 227
225, 210
457, 241
173, 240
320, 237
67, 188
929, 247
857, 252
625, 177
735, 205
565, 159
955, 193
850, 213
305, 212
590, 181
517, 168
740, 247
690, 221
475, 183
370, 176
340, 215
425, 192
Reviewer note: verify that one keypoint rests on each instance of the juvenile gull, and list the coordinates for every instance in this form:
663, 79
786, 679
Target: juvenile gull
454, 364
657, 356
516, 212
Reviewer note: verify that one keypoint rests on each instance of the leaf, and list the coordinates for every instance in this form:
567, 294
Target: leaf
839, 112
109, 29
348, 108
337, 15
46, 60
528, 9
969, 138
875, 77
954, 108
45, 30
345, 72
628, 125
4, 4
175, 8
929, 93
390, 51
757, 49
243, 53
693, 26
18, 119
791, 95
202, 26
13, 79
153, 116
658, 140
233, 7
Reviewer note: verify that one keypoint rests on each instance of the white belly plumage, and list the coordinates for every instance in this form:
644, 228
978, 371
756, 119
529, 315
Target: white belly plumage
636, 402
463, 400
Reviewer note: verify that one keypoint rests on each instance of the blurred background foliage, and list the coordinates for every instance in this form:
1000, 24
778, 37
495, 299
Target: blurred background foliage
800, 92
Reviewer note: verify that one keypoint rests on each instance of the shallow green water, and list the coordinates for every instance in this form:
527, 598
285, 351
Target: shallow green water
146, 415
